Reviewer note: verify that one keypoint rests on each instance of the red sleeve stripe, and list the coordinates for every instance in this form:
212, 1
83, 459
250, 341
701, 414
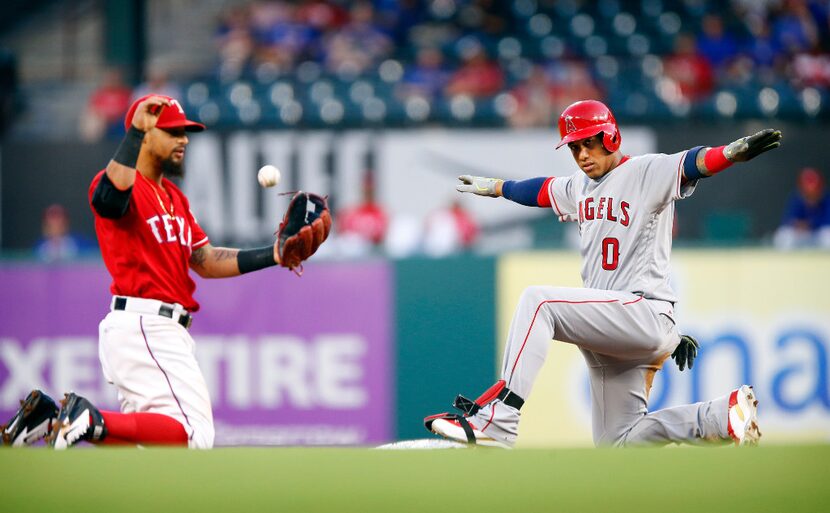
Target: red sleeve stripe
543, 199
549, 188
200, 243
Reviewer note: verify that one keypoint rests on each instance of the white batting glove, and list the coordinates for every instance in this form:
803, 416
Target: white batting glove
479, 185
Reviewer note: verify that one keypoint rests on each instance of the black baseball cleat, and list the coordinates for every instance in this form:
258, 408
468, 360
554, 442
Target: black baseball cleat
32, 421
77, 420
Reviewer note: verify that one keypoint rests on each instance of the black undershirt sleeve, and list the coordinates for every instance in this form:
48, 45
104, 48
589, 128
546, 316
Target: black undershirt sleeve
108, 201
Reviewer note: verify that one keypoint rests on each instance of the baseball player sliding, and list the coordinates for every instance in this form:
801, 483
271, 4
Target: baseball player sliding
149, 240
623, 320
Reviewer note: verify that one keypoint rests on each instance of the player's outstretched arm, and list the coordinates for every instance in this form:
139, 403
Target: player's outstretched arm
299, 235
711, 161
531, 193
214, 262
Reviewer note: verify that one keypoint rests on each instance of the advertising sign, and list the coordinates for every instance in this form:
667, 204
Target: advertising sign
762, 318
289, 361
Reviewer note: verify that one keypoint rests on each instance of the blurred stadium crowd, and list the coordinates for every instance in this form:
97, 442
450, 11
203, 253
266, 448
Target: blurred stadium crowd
518, 63
472, 63
333, 63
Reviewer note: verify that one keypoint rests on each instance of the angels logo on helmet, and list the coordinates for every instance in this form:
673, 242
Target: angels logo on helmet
569, 124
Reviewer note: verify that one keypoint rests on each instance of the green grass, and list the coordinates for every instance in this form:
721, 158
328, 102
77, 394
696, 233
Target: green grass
780, 479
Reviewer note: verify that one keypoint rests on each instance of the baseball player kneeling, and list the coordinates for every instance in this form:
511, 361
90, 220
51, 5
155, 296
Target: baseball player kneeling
149, 241
623, 321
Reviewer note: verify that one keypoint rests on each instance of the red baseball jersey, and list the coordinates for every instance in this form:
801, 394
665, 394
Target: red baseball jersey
147, 250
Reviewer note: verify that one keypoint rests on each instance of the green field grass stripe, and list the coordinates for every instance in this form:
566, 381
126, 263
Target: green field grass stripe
359, 480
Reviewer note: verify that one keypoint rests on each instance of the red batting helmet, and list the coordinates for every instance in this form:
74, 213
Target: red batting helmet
170, 117
587, 118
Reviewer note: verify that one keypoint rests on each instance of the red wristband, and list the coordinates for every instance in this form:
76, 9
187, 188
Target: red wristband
715, 161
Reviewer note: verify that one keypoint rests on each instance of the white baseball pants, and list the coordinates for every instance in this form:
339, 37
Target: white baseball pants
151, 361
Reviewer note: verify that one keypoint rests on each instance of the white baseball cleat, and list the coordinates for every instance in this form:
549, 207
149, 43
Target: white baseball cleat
743, 416
458, 428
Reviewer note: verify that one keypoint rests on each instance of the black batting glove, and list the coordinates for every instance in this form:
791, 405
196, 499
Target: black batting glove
749, 147
686, 352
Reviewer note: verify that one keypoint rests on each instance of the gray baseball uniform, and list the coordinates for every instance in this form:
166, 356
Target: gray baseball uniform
623, 320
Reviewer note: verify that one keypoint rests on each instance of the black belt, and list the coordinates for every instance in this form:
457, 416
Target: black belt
165, 310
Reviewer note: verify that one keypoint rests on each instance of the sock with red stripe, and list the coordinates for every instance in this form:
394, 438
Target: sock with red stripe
143, 428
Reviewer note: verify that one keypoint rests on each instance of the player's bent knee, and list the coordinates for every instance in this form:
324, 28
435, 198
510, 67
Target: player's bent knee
201, 441
537, 294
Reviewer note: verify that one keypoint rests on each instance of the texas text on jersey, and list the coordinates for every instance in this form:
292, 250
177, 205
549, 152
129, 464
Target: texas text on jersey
147, 250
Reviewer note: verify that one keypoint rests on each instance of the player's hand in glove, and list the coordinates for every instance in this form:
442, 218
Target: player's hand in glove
749, 147
686, 352
480, 185
302, 230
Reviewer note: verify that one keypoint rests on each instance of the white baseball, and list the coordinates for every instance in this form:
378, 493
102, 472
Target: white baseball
268, 176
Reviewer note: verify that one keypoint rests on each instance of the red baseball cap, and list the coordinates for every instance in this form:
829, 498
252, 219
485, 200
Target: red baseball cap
170, 117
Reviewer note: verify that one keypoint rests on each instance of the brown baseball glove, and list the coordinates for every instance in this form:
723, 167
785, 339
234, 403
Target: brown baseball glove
302, 230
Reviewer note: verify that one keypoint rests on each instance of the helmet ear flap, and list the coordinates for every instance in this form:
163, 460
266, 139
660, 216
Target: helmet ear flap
611, 141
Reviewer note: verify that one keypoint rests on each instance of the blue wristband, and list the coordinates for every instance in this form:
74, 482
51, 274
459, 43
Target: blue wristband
690, 169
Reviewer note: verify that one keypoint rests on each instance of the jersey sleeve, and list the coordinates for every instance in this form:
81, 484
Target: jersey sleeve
200, 238
663, 177
562, 195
